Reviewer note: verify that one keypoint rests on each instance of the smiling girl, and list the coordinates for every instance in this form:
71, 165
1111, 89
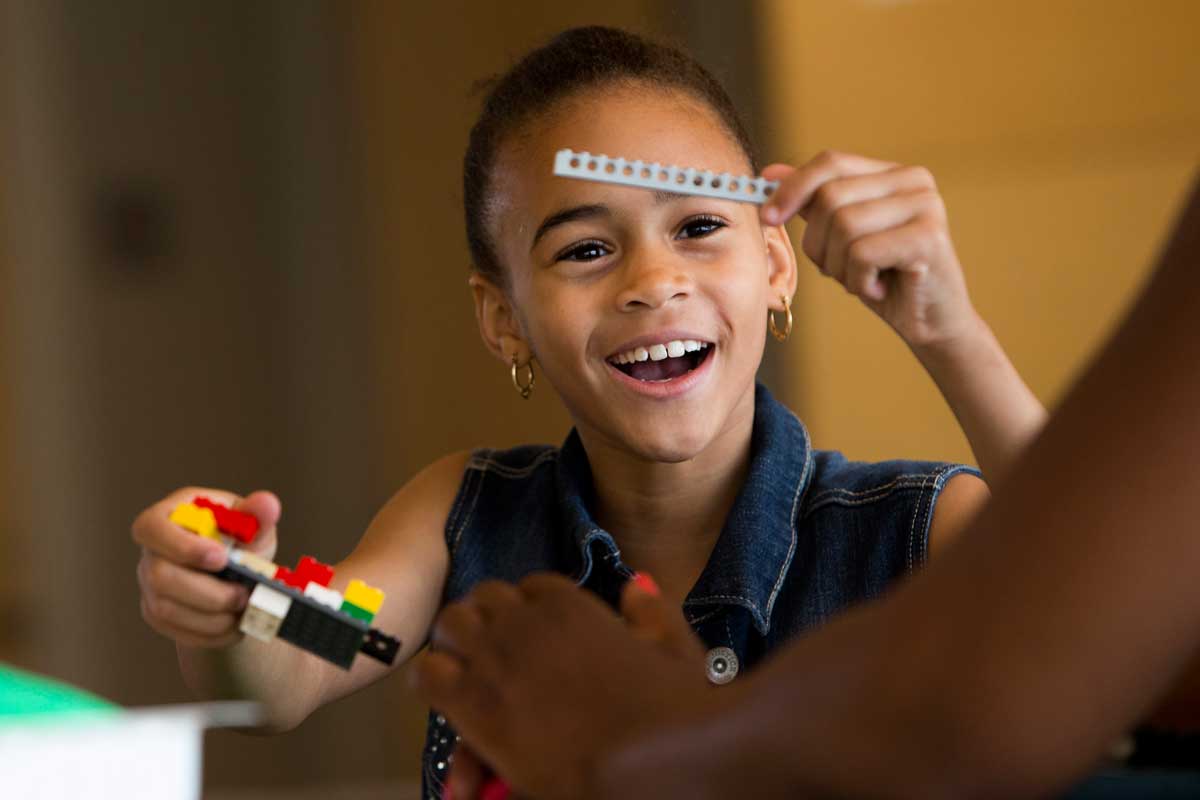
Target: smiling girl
647, 314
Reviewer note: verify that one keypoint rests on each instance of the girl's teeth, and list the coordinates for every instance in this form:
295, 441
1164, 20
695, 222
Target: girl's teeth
658, 352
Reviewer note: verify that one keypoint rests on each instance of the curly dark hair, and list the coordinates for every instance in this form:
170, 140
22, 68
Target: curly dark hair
574, 60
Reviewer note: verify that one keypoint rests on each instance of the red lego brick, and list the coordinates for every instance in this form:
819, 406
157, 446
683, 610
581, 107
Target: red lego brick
285, 575
309, 569
238, 524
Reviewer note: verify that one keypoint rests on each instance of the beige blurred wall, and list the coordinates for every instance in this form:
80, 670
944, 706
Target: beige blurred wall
1061, 133
415, 65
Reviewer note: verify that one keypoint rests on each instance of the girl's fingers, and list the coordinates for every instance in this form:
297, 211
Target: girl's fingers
852, 222
844, 193
904, 249
154, 531
796, 189
167, 613
196, 590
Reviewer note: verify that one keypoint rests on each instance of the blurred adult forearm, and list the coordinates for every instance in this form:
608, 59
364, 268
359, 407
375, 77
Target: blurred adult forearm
1010, 665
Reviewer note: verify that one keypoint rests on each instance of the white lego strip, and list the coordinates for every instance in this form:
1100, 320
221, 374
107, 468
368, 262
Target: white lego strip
324, 595
253, 562
668, 178
270, 601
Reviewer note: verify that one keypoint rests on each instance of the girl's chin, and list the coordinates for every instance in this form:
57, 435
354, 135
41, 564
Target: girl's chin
667, 447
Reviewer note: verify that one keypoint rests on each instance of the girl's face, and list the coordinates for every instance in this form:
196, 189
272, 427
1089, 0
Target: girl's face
598, 272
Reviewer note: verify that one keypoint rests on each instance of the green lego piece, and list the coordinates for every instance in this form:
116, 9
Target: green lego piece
356, 612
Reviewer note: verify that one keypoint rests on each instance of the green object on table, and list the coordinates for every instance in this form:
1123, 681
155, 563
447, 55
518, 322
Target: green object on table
25, 696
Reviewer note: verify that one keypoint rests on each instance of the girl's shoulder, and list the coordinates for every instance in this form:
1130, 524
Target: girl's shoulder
839, 480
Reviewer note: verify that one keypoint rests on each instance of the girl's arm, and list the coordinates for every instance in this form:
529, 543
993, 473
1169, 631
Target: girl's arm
403, 552
880, 230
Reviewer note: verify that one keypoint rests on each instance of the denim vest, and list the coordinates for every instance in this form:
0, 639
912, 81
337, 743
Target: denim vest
809, 534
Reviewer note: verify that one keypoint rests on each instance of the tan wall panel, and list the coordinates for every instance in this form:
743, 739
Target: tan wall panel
1061, 141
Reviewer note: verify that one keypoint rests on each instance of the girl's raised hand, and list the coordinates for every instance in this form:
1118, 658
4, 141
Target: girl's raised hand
880, 230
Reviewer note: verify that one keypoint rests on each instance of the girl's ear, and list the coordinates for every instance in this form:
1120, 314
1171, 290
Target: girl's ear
498, 323
781, 264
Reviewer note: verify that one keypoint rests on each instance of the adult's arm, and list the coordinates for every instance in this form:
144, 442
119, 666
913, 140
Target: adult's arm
1010, 665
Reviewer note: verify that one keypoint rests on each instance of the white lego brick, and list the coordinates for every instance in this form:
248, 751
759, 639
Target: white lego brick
664, 178
259, 624
272, 601
265, 612
324, 595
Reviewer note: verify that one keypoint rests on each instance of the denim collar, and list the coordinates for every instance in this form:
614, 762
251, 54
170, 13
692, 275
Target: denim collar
751, 557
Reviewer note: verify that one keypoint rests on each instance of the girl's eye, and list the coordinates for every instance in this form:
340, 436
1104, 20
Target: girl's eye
584, 251
700, 226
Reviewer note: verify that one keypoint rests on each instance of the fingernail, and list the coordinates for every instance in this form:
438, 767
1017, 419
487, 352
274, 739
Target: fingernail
495, 789
771, 214
646, 583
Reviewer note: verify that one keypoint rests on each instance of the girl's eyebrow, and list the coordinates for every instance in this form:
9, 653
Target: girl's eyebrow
587, 212
569, 215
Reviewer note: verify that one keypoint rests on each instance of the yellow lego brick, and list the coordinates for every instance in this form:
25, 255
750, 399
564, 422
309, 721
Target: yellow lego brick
368, 598
197, 520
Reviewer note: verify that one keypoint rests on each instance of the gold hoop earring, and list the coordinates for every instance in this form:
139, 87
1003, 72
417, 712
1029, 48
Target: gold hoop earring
787, 325
525, 389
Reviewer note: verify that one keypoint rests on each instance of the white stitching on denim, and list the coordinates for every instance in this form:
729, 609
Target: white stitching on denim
801, 492
473, 482
941, 477
912, 543
918, 481
486, 464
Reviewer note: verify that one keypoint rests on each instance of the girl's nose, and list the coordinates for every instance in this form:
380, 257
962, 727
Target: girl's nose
652, 281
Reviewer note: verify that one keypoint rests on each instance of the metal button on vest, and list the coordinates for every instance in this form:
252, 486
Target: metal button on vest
721, 664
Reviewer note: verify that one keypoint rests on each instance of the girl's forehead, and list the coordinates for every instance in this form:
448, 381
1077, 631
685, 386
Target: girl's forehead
665, 126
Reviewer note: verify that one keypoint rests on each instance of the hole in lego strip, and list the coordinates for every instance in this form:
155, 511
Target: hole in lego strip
610, 168
663, 175
574, 163
627, 170
698, 181
592, 165
680, 178
767, 190
716, 183
646, 173
733, 185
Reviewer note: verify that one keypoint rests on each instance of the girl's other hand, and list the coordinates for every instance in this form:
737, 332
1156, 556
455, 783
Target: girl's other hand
880, 230
180, 597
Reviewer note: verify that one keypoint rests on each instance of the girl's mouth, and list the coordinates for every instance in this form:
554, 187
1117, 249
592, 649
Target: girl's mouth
663, 362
